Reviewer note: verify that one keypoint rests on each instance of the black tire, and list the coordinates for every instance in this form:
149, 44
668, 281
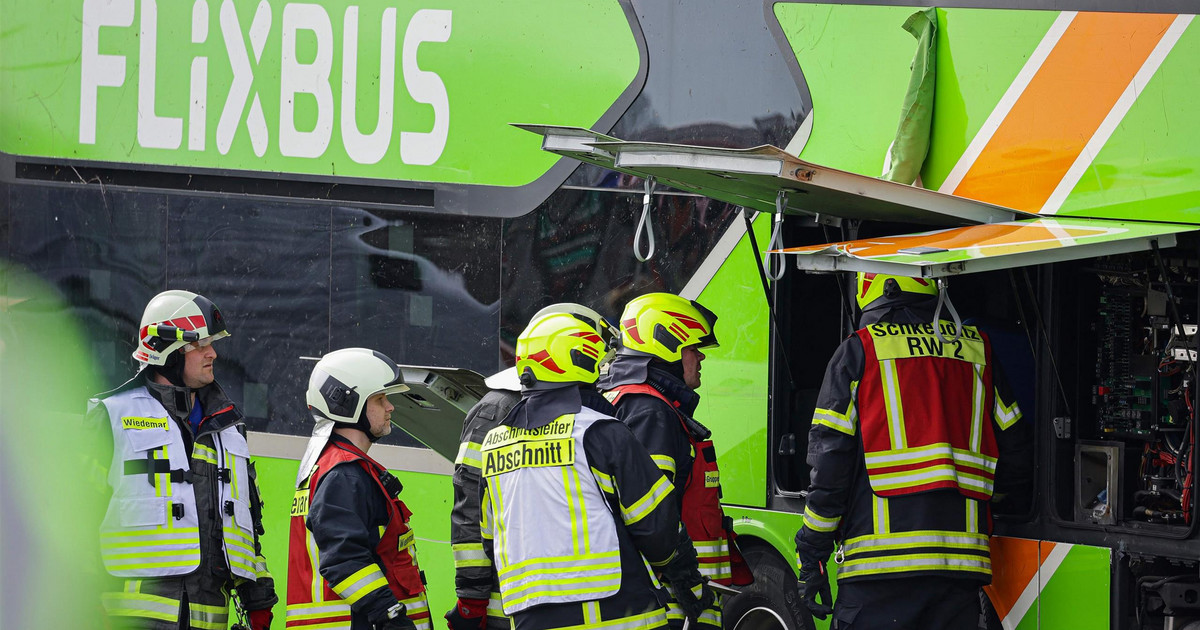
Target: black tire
774, 588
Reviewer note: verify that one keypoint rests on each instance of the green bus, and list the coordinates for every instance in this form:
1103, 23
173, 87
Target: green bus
422, 178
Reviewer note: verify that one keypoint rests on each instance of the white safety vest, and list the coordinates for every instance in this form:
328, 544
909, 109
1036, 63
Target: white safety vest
555, 538
152, 529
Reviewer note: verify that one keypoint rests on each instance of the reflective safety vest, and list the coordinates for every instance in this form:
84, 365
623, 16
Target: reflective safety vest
701, 511
554, 536
152, 527
314, 603
926, 410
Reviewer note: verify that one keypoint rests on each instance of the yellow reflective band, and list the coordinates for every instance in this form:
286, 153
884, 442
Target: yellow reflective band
665, 463
337, 611
893, 404
656, 618
470, 555
931, 453
539, 577
1006, 416
819, 523
485, 512
645, 505
204, 454
138, 424
836, 421
977, 395
926, 344
605, 481
915, 540
915, 562
140, 605
364, 581
932, 474
468, 455
880, 514
208, 617
495, 607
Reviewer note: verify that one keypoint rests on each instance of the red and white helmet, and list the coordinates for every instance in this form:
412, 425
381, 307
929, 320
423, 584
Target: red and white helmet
174, 319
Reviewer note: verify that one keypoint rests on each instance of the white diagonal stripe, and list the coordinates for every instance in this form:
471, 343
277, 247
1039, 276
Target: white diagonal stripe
1014, 92
1115, 115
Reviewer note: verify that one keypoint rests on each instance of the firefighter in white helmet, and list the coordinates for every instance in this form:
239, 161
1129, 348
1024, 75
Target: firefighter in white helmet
352, 557
185, 518
573, 508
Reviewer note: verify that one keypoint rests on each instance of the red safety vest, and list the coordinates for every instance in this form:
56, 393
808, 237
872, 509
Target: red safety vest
925, 408
701, 511
395, 550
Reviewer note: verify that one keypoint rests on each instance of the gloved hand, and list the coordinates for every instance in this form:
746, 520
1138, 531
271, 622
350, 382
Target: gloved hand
691, 590
399, 623
468, 614
260, 619
695, 600
813, 585
396, 619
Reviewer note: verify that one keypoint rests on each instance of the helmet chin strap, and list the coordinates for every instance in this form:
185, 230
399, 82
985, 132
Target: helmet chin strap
944, 298
172, 369
364, 425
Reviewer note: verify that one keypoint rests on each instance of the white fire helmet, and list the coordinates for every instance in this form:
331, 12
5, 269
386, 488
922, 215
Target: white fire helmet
174, 319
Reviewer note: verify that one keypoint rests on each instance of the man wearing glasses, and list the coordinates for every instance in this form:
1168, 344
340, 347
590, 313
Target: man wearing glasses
182, 528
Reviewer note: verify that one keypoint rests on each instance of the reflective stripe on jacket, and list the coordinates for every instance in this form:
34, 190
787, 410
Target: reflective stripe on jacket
152, 527
314, 602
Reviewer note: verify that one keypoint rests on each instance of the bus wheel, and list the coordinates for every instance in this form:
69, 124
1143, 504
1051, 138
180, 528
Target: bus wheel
772, 599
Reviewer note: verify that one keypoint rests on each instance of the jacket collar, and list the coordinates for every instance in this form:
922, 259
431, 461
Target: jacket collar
674, 389
220, 413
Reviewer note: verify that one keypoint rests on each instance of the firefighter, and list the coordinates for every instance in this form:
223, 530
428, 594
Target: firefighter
911, 422
478, 606
184, 521
351, 556
573, 508
653, 382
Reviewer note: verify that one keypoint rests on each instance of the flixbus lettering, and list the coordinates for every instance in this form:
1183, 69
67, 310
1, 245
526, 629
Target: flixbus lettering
306, 78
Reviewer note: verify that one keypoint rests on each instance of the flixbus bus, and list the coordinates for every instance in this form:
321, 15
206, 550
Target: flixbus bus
335, 173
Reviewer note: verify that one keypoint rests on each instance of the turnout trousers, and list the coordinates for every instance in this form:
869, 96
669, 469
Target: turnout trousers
912, 603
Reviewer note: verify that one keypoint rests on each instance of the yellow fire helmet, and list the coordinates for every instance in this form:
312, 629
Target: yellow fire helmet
560, 348
875, 289
663, 324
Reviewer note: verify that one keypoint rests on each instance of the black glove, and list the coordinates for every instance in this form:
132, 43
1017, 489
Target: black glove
690, 589
813, 585
695, 600
396, 619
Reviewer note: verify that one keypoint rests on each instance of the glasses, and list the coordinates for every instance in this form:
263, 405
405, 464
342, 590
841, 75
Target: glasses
196, 345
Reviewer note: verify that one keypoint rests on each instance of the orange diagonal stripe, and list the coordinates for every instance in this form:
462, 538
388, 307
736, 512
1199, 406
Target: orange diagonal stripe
1015, 563
1062, 107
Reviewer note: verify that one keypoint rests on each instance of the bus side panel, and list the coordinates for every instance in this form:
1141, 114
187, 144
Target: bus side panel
1043, 584
733, 400
432, 493
1076, 586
